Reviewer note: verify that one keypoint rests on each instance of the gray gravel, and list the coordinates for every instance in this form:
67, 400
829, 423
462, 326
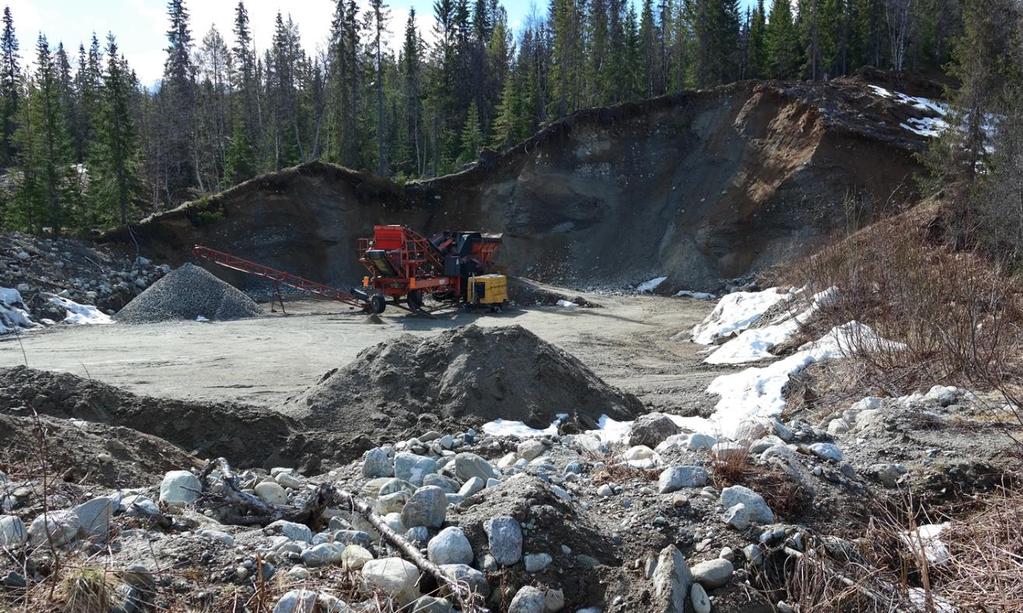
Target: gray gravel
187, 293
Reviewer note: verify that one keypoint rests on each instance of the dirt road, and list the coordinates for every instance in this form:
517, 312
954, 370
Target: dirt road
261, 361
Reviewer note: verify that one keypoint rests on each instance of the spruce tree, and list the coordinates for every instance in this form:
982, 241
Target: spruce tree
44, 192
114, 174
472, 136
378, 26
411, 78
782, 40
10, 89
177, 98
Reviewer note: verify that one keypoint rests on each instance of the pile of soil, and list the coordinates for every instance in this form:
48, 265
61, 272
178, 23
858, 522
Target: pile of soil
189, 292
86, 453
208, 429
472, 375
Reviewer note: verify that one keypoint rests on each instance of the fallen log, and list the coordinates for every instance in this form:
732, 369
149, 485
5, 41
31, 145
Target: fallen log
246, 509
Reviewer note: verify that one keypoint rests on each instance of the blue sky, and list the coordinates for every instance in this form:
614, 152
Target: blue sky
139, 24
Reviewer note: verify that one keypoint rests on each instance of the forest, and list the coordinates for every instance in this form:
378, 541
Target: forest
85, 145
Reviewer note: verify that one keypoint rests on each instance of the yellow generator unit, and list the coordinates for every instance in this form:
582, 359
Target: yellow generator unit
489, 290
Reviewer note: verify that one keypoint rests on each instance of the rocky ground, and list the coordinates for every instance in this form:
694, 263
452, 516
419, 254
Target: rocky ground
564, 455
78, 270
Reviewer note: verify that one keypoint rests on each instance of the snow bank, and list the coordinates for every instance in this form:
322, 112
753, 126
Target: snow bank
648, 286
80, 314
12, 316
755, 343
736, 312
918, 103
757, 391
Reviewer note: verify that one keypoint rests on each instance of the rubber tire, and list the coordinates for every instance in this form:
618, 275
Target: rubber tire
377, 303
414, 299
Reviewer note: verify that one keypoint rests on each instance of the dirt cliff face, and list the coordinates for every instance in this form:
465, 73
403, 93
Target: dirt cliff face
700, 187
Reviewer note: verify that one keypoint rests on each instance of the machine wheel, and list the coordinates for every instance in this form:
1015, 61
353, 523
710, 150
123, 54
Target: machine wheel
377, 303
414, 300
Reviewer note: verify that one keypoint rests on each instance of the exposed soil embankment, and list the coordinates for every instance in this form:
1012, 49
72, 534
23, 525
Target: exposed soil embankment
698, 186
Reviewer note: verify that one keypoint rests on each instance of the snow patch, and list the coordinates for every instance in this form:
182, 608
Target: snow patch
517, 429
696, 295
756, 392
926, 539
566, 304
755, 343
736, 312
648, 286
12, 316
80, 314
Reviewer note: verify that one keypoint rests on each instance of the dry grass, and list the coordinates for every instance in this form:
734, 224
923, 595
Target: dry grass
731, 466
985, 572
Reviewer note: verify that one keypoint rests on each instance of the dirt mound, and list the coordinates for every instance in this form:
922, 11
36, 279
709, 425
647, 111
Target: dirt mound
207, 429
471, 374
189, 292
86, 453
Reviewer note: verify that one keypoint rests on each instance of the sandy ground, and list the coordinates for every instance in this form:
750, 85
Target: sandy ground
638, 343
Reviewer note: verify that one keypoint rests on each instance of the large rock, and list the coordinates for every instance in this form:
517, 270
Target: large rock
355, 557
672, 581
179, 488
674, 478
12, 532
323, 554
504, 535
469, 465
713, 573
450, 547
413, 468
392, 576
297, 601
430, 604
428, 507
377, 463
826, 451
94, 517
271, 492
528, 600
698, 596
58, 529
290, 529
651, 429
531, 448
464, 573
737, 494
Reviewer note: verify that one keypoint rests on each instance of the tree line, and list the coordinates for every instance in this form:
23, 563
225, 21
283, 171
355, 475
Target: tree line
84, 144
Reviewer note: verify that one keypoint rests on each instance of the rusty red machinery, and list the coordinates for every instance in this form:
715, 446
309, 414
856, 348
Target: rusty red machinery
404, 267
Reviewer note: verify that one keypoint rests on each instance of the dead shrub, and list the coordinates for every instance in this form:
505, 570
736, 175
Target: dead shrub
956, 315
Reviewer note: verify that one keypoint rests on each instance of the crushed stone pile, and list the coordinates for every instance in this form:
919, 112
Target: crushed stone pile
470, 374
189, 292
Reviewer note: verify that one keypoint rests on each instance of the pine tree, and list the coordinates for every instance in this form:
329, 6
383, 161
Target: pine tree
10, 93
114, 173
782, 40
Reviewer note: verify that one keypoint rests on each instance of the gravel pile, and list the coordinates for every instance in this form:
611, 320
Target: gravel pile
189, 292
470, 374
